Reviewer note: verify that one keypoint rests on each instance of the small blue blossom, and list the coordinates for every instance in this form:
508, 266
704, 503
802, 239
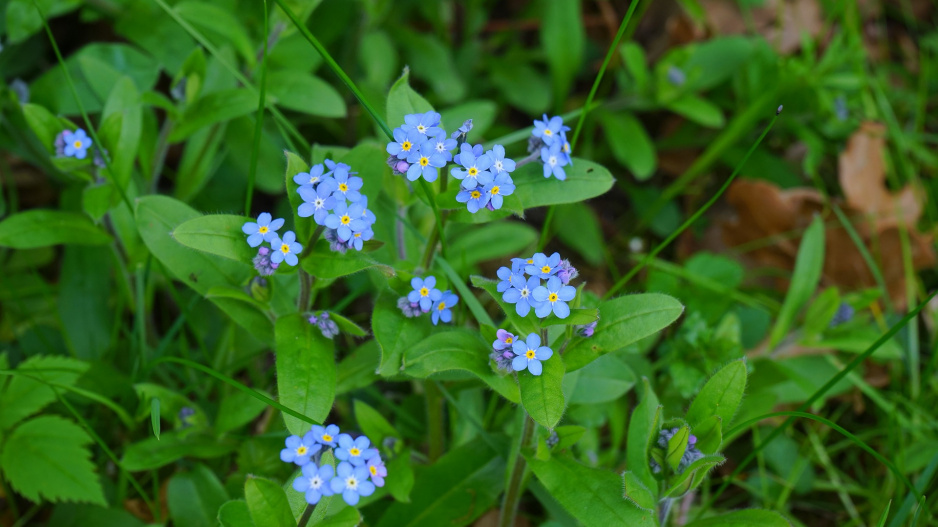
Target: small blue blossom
317, 202
476, 150
285, 249
500, 163
352, 482
426, 162
311, 178
367, 215
262, 262
567, 272
76, 143
345, 218
398, 167
464, 129
377, 470
299, 450
424, 123
501, 186
843, 315
543, 266
333, 167
586, 330
425, 292
521, 294
474, 198
549, 130
408, 308
326, 325
347, 187
404, 143
314, 482
676, 76
529, 354
443, 145
360, 236
335, 244
554, 161
504, 340
504, 274
518, 264
264, 230
354, 451
326, 435
474, 171
441, 309
554, 297
565, 151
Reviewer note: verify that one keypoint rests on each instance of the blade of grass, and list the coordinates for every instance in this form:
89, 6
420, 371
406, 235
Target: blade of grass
471, 301
258, 121
864, 252
923, 481
650, 256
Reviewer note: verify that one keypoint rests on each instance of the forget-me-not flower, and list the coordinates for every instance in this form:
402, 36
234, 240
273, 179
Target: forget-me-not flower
317, 202
355, 451
474, 170
424, 123
504, 274
314, 482
347, 187
549, 130
464, 129
299, 450
404, 143
474, 198
554, 297
500, 186
567, 272
443, 145
518, 264
285, 249
543, 266
326, 435
504, 340
262, 262
408, 308
529, 354
76, 143
311, 178
554, 161
264, 230
441, 309
360, 236
586, 330
521, 294
333, 167
426, 162
377, 470
500, 163
425, 292
345, 218
352, 482
476, 150
326, 325
367, 215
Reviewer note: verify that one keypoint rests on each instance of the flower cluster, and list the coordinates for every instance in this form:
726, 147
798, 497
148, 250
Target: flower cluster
521, 285
691, 453
332, 195
358, 463
549, 137
512, 354
281, 249
426, 298
421, 148
73, 144
324, 322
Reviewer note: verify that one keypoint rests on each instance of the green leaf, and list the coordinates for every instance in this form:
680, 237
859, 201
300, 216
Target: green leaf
98, 198
218, 234
692, 476
157, 217
585, 180
623, 321
195, 496
23, 19
578, 228
523, 325
372, 423
820, 313
638, 493
41, 228
432, 62
522, 85
27, 393
83, 515
461, 486
218, 24
302, 226
46, 459
699, 110
805, 278
243, 309
394, 332
677, 445
151, 453
643, 433
542, 395
744, 518
235, 513
306, 371
720, 396
592, 495
458, 349
400, 480
709, 434
214, 108
302, 92
267, 503
155, 416
488, 242
603, 380
45, 125
121, 128
347, 326
328, 264
563, 37
716, 60
630, 143
482, 113
238, 409
403, 100
199, 160
568, 435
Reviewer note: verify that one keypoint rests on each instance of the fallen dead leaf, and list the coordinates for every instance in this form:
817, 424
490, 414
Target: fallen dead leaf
781, 22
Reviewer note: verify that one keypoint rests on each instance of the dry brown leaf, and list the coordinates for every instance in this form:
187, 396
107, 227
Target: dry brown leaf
782, 32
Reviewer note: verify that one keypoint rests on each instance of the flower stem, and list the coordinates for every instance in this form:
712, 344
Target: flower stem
513, 493
307, 514
530, 159
306, 284
434, 419
664, 509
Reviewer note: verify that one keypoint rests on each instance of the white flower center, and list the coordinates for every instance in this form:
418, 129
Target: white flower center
320, 202
313, 179
315, 482
351, 483
524, 292
440, 147
552, 160
421, 128
498, 166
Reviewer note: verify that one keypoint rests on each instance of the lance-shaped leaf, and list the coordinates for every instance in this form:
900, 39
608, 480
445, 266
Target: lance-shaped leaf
306, 371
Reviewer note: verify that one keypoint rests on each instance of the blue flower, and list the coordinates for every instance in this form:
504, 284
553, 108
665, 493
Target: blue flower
426, 162
355, 451
404, 143
441, 308
565, 150
424, 123
518, 264
521, 294
377, 470
347, 187
554, 297
443, 146
476, 150
262, 263
345, 218
332, 167
504, 340
264, 230
554, 161
530, 354
408, 308
311, 178
326, 435
474, 169
285, 249
299, 450
464, 129
317, 202
352, 482
367, 215
425, 292
549, 130
502, 185
360, 236
586, 330
314, 482
500, 163
504, 274
543, 266
567, 272
76, 143
474, 198
326, 325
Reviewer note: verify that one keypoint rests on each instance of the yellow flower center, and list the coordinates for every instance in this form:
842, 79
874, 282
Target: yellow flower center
343, 187
475, 194
424, 161
545, 269
358, 235
494, 190
345, 219
530, 260
547, 132
508, 340
473, 171
313, 179
405, 146
77, 144
354, 452
566, 147
374, 470
529, 354
424, 291
301, 450
284, 248
262, 230
326, 437
442, 306
552, 297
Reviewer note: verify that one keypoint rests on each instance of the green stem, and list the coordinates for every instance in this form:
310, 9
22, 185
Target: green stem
258, 121
434, 419
306, 284
650, 256
545, 229
307, 514
513, 493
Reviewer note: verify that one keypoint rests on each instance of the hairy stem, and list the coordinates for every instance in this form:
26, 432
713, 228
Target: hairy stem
513, 492
307, 514
434, 419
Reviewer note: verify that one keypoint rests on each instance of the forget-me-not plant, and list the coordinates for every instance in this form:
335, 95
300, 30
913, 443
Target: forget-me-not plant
263, 230
529, 354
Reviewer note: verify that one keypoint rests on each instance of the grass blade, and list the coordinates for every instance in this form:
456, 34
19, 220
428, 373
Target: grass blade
258, 121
